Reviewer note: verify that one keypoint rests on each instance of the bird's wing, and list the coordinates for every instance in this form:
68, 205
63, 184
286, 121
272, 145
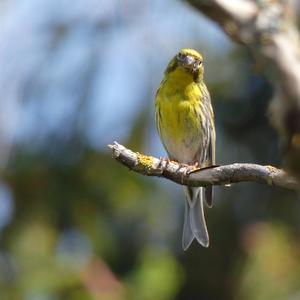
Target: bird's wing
211, 160
210, 151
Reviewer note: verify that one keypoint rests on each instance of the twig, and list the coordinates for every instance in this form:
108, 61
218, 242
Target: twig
221, 175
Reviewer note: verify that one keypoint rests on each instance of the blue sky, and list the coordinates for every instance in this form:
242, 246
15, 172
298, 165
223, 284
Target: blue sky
109, 53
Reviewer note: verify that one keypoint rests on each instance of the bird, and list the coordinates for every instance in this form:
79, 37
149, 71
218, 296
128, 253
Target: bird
185, 122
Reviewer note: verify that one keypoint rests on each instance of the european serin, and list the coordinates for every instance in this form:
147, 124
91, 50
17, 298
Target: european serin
185, 122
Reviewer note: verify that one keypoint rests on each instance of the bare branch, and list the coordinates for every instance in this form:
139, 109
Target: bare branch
219, 175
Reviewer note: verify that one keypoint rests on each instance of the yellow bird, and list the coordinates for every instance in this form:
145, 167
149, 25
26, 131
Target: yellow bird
185, 122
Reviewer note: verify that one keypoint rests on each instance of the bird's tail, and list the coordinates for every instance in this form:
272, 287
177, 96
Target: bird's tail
194, 221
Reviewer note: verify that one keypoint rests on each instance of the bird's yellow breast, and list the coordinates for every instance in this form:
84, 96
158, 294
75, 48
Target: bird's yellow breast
178, 114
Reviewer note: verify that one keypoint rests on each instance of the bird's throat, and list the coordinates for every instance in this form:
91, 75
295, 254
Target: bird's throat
181, 76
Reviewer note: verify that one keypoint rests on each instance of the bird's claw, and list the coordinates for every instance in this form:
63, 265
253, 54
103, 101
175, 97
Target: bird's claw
188, 169
192, 169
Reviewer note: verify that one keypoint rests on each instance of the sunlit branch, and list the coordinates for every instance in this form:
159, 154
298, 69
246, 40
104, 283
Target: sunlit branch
269, 30
219, 175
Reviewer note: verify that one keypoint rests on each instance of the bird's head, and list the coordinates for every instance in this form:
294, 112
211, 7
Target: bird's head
188, 60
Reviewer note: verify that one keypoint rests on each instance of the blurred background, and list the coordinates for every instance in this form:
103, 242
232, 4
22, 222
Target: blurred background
75, 224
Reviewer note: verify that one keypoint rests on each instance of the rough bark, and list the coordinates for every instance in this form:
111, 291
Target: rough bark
269, 29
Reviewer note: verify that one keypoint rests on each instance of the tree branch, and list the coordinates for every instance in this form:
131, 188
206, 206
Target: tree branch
219, 175
269, 30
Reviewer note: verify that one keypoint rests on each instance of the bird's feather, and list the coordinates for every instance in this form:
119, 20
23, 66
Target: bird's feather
194, 220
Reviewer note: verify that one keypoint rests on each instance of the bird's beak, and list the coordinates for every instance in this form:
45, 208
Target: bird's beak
189, 62
186, 61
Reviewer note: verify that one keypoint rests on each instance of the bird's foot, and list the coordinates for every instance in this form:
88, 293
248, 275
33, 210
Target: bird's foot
187, 169
193, 168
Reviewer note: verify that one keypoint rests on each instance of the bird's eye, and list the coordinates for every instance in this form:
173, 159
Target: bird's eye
198, 63
180, 55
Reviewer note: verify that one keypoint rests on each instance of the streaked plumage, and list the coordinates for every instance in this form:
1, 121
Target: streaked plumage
185, 122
